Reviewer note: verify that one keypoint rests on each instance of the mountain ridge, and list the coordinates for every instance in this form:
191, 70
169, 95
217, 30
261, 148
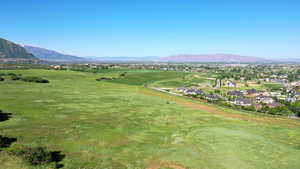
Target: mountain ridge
52, 55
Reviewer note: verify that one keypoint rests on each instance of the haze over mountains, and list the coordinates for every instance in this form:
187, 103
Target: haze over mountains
12, 51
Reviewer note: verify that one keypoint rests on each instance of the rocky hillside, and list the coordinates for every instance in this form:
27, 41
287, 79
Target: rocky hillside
10, 51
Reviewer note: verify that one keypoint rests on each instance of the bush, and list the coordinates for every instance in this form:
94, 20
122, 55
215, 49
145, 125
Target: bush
15, 77
39, 156
105, 78
34, 155
1, 79
6, 141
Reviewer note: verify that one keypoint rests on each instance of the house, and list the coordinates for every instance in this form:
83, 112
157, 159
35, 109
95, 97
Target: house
295, 83
56, 67
264, 93
182, 89
275, 94
264, 99
242, 102
291, 99
230, 84
283, 76
211, 97
193, 92
252, 92
274, 105
235, 93
292, 91
199, 92
297, 95
280, 81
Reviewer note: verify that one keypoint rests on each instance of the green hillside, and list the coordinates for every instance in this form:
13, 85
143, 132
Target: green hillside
122, 125
11, 50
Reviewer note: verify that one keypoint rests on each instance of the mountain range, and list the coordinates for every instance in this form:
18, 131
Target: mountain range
10, 51
51, 55
213, 58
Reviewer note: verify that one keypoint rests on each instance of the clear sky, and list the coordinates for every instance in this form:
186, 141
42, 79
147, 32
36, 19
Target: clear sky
266, 28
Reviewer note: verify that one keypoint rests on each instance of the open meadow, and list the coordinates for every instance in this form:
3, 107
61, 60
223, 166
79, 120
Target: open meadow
121, 124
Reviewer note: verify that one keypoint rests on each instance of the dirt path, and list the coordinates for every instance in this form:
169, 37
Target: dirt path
165, 165
216, 110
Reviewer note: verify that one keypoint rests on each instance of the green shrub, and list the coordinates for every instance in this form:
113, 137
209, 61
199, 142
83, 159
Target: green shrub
105, 78
15, 77
34, 155
6, 141
34, 79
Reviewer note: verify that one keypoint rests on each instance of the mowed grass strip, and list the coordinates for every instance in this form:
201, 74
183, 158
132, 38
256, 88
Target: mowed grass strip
113, 124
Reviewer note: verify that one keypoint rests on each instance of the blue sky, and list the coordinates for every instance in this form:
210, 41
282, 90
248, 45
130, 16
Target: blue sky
265, 28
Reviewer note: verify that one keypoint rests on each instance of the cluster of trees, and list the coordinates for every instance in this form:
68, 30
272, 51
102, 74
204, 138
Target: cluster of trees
14, 76
280, 110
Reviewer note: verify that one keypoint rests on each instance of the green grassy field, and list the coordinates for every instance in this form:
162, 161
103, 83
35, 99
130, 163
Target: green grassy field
121, 125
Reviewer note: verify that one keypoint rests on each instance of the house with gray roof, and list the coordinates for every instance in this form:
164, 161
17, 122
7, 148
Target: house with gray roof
235, 93
242, 102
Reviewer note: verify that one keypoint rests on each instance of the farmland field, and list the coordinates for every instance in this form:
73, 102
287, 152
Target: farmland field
120, 124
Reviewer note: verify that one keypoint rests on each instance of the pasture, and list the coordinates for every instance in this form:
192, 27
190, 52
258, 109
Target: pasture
120, 124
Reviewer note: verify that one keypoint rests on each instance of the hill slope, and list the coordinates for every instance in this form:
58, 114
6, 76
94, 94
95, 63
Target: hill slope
115, 124
11, 51
51, 55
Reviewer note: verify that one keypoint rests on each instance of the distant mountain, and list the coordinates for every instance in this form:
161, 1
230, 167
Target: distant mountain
213, 58
209, 58
52, 56
287, 60
124, 59
10, 51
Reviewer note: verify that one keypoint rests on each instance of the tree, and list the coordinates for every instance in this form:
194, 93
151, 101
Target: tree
123, 74
295, 108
